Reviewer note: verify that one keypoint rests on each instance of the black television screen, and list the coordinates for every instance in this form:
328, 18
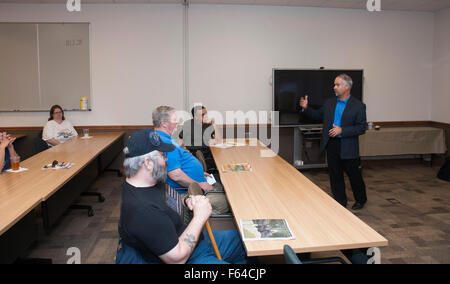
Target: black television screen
290, 85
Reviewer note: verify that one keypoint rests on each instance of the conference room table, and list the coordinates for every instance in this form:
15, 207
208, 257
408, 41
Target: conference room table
54, 189
274, 189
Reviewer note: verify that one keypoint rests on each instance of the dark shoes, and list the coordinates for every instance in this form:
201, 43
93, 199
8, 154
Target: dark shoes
358, 206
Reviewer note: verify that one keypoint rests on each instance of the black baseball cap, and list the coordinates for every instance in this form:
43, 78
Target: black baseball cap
145, 141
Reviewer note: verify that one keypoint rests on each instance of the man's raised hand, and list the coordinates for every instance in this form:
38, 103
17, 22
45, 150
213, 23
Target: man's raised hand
304, 102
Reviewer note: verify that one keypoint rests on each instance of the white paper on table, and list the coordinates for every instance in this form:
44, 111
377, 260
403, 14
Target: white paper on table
58, 167
18, 171
222, 146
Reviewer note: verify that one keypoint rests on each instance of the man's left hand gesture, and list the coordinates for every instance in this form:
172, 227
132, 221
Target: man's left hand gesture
335, 131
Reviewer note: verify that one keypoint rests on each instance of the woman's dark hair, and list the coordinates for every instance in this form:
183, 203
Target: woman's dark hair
52, 110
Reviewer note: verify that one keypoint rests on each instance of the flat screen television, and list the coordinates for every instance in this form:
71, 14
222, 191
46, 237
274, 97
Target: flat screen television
290, 85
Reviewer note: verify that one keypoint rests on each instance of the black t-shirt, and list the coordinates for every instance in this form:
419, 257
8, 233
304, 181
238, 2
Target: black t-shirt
192, 134
147, 223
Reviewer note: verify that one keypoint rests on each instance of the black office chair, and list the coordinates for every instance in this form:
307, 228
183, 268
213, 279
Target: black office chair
89, 208
202, 160
213, 171
38, 145
291, 258
205, 157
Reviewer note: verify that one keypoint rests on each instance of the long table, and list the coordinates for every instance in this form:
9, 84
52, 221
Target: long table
55, 190
274, 189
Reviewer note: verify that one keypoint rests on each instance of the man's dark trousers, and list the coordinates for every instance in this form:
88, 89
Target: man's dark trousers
337, 166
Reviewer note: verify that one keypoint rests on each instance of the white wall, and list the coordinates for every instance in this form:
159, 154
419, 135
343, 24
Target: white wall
136, 60
137, 57
440, 110
234, 48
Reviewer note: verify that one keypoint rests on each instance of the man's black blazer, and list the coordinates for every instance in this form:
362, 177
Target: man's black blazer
353, 124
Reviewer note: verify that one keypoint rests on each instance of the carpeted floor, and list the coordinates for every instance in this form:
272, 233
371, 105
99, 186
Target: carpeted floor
407, 204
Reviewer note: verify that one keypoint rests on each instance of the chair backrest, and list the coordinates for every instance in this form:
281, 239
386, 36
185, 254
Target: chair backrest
290, 256
444, 172
195, 189
201, 158
38, 145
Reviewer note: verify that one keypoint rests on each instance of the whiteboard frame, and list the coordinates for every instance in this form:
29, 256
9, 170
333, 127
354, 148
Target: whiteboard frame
39, 87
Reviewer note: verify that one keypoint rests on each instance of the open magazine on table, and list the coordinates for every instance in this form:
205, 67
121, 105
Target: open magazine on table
266, 229
238, 167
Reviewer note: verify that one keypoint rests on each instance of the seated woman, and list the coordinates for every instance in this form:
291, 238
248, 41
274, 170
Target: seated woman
58, 129
6, 151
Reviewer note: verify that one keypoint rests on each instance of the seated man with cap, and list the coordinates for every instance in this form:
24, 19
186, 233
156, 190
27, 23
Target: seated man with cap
150, 228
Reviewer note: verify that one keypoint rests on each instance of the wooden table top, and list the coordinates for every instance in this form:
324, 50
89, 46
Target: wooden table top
274, 189
21, 192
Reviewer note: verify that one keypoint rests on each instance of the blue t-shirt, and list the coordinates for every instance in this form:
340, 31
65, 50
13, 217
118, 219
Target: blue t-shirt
340, 107
183, 160
7, 162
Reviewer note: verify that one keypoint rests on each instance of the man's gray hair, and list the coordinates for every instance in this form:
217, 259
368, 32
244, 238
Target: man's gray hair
132, 165
160, 114
346, 79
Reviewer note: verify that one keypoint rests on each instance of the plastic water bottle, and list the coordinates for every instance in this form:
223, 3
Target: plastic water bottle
84, 103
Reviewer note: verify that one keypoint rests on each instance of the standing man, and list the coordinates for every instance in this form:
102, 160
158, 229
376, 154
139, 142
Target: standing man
344, 119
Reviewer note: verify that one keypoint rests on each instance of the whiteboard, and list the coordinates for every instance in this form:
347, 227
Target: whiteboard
44, 64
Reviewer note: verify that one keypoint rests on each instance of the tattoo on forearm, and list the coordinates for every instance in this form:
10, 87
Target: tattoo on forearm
190, 240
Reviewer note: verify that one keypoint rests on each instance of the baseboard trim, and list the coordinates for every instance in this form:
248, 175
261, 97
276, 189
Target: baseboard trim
128, 127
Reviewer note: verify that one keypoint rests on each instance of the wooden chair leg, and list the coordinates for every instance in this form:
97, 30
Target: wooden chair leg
213, 240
